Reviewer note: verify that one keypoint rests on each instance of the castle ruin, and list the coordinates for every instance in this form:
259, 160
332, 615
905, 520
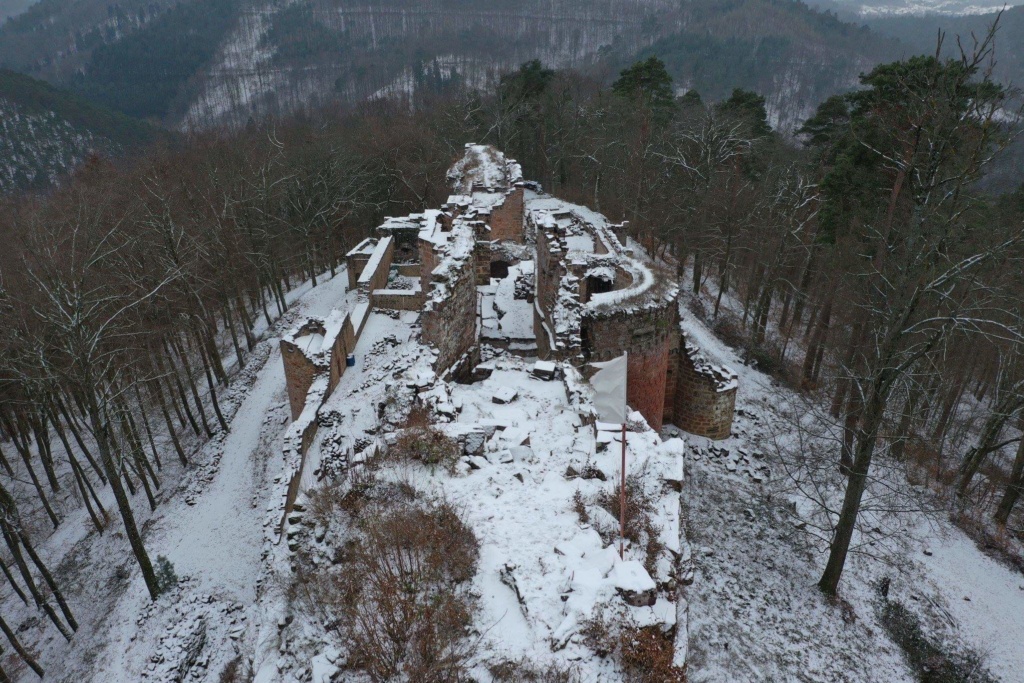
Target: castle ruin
500, 270
503, 267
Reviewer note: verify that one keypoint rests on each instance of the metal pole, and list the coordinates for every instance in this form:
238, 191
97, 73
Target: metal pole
622, 499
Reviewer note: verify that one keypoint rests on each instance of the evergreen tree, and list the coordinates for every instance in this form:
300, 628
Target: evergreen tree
748, 108
647, 81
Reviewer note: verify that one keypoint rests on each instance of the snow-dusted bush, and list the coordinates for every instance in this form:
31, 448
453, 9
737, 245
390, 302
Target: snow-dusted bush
523, 671
927, 658
236, 671
396, 594
640, 527
423, 442
645, 654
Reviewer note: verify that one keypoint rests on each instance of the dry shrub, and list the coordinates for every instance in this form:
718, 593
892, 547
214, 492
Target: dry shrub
929, 659
645, 654
727, 328
419, 440
924, 464
236, 671
579, 506
396, 597
521, 671
406, 614
326, 502
640, 527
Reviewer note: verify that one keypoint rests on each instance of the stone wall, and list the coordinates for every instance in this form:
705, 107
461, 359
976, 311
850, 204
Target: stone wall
406, 244
548, 273
672, 377
410, 269
428, 261
485, 253
482, 262
648, 337
705, 396
507, 219
399, 299
344, 344
451, 324
356, 261
299, 370
378, 268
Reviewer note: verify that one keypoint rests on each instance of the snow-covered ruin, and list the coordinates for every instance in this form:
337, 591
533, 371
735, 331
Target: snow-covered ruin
504, 268
486, 314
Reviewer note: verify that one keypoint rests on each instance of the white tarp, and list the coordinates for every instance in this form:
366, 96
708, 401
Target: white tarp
609, 384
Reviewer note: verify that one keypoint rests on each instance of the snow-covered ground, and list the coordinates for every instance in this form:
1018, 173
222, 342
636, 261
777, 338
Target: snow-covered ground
755, 611
543, 571
875, 8
986, 599
208, 524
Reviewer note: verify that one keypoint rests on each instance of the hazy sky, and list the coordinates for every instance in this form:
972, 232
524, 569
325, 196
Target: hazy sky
11, 7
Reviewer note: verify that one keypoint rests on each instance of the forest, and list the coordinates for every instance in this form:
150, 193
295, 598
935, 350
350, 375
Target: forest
868, 270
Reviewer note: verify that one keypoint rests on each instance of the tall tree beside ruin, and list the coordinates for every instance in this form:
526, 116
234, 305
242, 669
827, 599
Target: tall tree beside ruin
930, 126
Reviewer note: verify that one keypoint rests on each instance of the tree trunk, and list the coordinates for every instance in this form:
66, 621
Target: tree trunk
192, 386
48, 577
1013, 487
100, 429
14, 584
156, 389
73, 428
976, 456
20, 649
26, 575
855, 485
6, 463
698, 268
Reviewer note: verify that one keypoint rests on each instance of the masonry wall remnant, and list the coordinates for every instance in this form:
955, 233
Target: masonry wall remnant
316, 348
706, 396
357, 258
646, 336
591, 294
599, 295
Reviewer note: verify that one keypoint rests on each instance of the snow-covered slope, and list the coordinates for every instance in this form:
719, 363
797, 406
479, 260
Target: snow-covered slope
874, 8
46, 133
755, 611
38, 148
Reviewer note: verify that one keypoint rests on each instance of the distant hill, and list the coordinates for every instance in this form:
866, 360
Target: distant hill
200, 63
919, 35
794, 55
46, 132
888, 8
53, 39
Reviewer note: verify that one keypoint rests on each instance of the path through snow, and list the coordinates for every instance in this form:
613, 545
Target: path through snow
985, 597
219, 539
215, 544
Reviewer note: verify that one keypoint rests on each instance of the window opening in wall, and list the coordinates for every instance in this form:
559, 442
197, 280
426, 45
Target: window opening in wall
597, 285
499, 269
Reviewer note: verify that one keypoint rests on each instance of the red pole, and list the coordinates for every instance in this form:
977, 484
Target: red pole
622, 499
